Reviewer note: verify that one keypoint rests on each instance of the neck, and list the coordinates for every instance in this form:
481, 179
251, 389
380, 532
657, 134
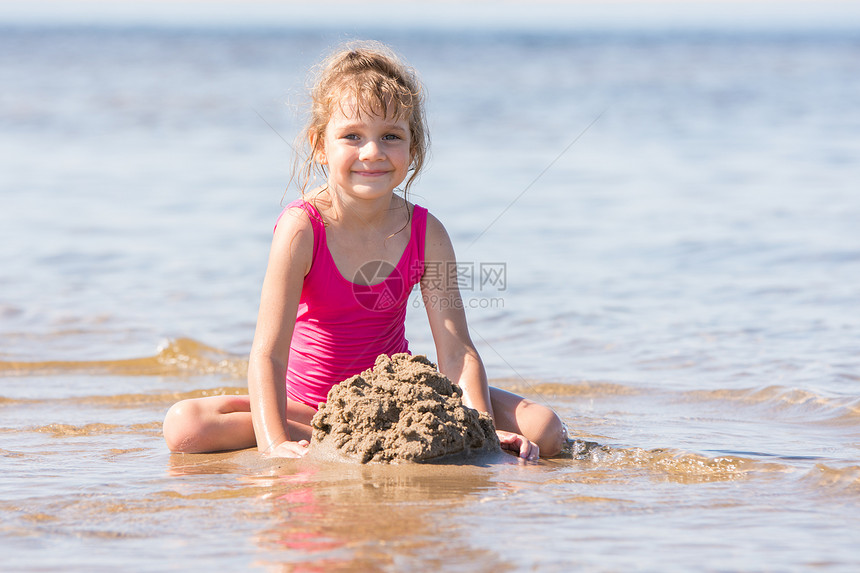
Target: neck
344, 211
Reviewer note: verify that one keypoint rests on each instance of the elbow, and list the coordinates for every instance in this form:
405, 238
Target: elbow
454, 365
263, 365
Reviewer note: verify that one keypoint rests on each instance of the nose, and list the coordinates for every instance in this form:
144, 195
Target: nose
370, 150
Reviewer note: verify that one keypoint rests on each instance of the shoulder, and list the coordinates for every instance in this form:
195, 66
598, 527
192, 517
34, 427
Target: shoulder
293, 221
435, 228
438, 242
294, 235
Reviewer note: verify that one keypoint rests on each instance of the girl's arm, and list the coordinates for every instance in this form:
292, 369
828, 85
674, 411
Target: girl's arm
457, 356
289, 261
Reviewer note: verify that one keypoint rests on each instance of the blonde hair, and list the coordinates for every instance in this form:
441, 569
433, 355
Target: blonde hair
378, 81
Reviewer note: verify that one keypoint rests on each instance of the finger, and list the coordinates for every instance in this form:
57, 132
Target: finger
509, 442
295, 453
291, 450
525, 449
512, 447
301, 448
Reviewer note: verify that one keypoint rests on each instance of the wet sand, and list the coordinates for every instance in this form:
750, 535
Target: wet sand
401, 410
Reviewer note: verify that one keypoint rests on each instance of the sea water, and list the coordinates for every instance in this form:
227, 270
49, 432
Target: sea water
657, 229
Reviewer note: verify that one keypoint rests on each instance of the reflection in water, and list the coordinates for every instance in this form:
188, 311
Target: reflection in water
321, 516
203, 464
366, 517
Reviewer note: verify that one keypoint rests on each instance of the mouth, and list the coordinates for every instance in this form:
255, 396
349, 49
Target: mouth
371, 173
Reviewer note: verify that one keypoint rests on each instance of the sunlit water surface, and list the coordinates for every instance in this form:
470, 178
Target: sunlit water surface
672, 220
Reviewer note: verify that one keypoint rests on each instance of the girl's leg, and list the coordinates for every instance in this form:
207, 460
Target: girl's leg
218, 423
536, 422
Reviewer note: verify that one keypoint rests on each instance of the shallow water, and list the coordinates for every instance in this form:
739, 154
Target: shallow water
670, 214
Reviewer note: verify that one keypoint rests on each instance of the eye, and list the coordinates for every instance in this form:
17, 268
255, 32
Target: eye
350, 136
391, 137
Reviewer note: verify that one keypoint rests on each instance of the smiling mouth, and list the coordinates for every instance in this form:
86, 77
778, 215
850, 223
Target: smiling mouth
371, 173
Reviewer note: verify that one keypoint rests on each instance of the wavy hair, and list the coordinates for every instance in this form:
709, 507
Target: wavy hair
379, 82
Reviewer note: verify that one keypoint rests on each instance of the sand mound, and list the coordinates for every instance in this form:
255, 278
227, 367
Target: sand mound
401, 410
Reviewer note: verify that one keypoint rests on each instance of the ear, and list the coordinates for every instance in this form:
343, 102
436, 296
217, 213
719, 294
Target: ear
317, 144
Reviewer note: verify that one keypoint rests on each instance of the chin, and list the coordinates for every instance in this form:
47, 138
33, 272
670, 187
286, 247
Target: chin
371, 193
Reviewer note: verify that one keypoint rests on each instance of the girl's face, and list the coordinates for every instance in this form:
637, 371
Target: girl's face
367, 156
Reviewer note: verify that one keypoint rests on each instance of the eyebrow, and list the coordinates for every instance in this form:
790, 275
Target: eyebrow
389, 126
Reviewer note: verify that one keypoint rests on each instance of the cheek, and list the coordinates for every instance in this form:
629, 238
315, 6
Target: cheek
406, 155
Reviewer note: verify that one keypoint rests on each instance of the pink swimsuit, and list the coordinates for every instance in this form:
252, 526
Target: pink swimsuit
341, 327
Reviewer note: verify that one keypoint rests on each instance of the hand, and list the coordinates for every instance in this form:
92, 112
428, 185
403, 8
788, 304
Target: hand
518, 445
288, 450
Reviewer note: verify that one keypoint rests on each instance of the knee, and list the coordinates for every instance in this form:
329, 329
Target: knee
554, 436
546, 429
182, 425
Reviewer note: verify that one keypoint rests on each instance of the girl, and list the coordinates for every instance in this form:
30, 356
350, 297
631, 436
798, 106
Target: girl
343, 262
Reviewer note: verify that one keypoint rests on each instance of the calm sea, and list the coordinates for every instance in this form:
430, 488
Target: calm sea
658, 228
